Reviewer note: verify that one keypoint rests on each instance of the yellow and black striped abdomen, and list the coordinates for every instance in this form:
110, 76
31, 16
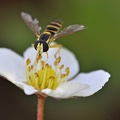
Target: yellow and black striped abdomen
54, 26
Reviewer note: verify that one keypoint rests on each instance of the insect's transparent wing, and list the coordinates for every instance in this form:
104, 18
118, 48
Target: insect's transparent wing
69, 30
32, 24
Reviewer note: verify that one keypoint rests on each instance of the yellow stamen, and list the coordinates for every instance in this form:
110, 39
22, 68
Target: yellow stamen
46, 76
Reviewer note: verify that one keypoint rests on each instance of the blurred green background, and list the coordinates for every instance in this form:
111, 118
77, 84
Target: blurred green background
97, 47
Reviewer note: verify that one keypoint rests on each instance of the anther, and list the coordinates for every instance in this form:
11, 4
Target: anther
32, 67
61, 67
36, 74
67, 71
42, 63
28, 61
52, 78
58, 59
62, 76
47, 65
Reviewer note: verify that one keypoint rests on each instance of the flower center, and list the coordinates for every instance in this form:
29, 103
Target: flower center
41, 75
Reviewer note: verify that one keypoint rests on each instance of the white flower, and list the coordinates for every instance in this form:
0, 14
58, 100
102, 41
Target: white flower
55, 79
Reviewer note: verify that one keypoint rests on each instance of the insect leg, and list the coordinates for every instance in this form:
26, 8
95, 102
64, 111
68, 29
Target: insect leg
47, 56
56, 46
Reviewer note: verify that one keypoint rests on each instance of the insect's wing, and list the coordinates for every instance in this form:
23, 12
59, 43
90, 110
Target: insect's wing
69, 30
32, 24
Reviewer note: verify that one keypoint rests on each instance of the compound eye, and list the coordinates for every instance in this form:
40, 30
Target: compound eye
36, 44
45, 46
43, 43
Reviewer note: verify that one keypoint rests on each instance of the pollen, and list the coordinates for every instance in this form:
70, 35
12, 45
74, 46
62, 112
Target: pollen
42, 75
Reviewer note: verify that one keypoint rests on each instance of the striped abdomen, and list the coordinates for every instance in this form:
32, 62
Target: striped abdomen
54, 26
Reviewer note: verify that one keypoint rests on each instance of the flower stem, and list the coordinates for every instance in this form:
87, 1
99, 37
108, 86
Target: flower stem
40, 107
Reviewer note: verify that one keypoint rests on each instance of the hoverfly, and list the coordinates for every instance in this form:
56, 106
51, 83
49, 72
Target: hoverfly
51, 33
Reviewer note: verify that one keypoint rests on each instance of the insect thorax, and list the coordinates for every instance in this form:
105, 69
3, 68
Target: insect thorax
45, 36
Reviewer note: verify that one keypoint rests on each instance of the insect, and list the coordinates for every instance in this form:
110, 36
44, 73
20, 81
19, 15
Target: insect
50, 34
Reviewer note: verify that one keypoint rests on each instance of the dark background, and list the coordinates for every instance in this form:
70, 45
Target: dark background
97, 47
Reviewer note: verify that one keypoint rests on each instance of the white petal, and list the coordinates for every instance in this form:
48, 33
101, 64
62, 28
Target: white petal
68, 58
30, 53
11, 65
29, 90
96, 80
66, 90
